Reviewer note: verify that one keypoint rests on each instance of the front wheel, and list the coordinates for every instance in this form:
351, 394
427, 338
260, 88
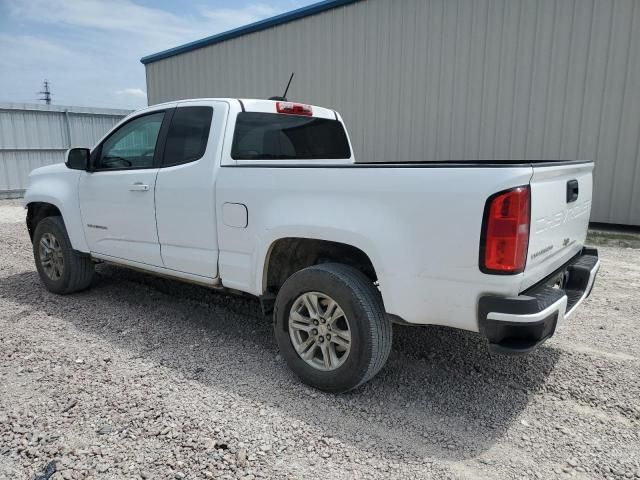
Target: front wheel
61, 269
331, 327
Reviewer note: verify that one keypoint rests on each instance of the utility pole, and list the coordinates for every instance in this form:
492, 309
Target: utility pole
46, 93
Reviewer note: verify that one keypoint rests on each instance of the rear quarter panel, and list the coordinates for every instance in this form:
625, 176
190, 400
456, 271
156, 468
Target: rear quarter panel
420, 226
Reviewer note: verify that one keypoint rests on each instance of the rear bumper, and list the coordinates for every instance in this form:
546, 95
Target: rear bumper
517, 325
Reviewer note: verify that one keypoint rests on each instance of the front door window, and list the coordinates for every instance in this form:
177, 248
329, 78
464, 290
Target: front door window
133, 145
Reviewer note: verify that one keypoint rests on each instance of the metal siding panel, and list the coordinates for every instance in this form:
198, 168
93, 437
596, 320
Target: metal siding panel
363, 137
624, 132
150, 80
540, 78
594, 96
396, 73
389, 71
577, 76
445, 80
490, 92
460, 80
414, 100
164, 81
476, 80
632, 137
16, 166
557, 81
506, 81
32, 136
523, 79
19, 126
405, 105
452, 79
611, 110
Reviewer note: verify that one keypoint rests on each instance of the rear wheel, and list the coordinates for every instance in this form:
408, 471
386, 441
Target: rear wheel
61, 269
331, 327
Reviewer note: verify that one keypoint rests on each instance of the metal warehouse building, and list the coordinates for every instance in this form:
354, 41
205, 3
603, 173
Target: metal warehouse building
442, 80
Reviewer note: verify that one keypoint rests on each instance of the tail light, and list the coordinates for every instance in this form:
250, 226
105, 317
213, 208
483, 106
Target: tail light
505, 232
294, 108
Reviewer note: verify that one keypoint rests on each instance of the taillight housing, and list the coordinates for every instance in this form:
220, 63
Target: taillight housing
505, 232
292, 108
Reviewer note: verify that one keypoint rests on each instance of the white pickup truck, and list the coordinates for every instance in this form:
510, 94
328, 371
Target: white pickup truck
264, 197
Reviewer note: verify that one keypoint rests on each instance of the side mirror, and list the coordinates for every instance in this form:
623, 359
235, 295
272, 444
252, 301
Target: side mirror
78, 159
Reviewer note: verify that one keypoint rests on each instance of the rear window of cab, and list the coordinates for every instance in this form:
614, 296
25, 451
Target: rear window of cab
271, 136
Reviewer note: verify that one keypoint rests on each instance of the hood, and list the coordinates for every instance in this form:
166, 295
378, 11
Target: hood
49, 169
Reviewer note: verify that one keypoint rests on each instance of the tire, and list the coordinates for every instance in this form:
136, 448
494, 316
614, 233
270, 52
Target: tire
370, 331
72, 270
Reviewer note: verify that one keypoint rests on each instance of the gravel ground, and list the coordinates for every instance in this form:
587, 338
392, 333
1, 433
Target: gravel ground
141, 377
11, 211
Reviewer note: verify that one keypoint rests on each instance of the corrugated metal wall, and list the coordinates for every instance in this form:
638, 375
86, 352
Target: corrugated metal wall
35, 135
452, 80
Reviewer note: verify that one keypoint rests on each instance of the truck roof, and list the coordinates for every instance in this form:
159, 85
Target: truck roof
252, 105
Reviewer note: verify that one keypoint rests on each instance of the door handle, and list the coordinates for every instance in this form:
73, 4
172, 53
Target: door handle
573, 189
139, 187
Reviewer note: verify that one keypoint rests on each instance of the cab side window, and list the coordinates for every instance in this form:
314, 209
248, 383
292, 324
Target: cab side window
187, 136
133, 145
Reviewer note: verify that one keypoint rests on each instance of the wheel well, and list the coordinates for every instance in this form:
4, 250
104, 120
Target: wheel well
37, 211
289, 255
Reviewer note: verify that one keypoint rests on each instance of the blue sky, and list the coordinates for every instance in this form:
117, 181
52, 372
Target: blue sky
90, 50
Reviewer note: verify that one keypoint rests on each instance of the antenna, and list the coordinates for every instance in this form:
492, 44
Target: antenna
288, 85
46, 93
283, 98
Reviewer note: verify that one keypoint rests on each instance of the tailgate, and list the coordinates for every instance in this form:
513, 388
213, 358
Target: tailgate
560, 210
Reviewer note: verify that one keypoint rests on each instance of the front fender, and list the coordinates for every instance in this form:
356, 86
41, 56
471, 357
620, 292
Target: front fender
59, 187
